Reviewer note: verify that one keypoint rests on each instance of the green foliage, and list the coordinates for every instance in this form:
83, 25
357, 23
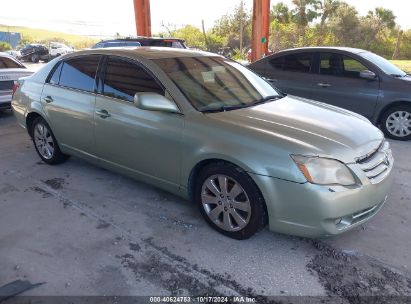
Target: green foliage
192, 35
5, 46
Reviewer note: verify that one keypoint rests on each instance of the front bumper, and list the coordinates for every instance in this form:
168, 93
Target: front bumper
310, 210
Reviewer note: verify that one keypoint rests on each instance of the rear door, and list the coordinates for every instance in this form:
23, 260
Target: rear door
338, 82
68, 99
145, 142
292, 73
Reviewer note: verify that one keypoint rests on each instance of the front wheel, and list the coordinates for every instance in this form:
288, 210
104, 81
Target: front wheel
45, 143
230, 201
35, 58
396, 122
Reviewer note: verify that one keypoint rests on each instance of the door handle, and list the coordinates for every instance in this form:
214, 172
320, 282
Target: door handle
324, 85
48, 99
103, 113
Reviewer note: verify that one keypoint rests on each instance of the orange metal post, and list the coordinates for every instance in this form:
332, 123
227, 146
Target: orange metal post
143, 18
261, 23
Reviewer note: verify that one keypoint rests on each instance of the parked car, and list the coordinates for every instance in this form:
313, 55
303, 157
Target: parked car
141, 41
57, 49
14, 53
10, 70
207, 128
35, 52
353, 79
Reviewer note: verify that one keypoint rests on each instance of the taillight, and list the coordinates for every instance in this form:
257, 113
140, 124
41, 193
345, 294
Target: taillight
15, 87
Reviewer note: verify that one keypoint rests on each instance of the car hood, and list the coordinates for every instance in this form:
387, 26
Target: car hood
13, 74
308, 127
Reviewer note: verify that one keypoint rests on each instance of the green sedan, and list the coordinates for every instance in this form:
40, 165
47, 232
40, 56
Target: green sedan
210, 130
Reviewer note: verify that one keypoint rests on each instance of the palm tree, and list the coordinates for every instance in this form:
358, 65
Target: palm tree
305, 11
328, 8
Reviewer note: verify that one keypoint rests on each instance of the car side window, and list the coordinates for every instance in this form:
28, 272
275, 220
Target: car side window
340, 65
299, 62
123, 79
79, 73
55, 78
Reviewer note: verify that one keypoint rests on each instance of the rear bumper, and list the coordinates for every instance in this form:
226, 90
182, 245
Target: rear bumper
5, 99
318, 211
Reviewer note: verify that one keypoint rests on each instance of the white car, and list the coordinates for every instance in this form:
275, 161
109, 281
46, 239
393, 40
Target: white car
10, 71
57, 49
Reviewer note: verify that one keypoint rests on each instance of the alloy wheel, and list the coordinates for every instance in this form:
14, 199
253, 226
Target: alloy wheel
225, 202
44, 141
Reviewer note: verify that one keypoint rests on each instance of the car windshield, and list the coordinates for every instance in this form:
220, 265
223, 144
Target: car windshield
216, 83
386, 66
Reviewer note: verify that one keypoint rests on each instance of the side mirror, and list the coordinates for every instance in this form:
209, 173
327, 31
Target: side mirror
154, 102
368, 75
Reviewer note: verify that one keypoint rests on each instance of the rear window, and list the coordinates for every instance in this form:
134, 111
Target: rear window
7, 63
79, 73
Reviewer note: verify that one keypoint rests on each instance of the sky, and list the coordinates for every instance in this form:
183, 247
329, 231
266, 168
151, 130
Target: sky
103, 18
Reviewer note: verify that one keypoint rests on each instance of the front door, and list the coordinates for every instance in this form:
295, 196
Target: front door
145, 142
339, 83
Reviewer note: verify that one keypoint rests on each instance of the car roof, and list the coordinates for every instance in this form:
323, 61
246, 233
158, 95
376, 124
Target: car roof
141, 38
324, 48
146, 52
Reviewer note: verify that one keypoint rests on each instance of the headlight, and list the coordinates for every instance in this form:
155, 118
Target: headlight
324, 171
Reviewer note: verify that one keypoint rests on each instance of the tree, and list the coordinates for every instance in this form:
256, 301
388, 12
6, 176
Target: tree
384, 17
305, 11
192, 36
280, 13
5, 46
328, 9
234, 26
345, 25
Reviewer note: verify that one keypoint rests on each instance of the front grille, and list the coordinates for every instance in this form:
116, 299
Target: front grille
6, 85
377, 164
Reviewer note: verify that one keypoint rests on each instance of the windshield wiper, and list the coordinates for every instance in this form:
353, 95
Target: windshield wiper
266, 99
225, 108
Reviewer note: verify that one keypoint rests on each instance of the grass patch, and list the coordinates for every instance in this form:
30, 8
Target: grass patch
404, 65
44, 36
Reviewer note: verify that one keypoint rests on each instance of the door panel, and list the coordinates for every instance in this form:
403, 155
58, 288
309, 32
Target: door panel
338, 83
145, 141
69, 101
291, 73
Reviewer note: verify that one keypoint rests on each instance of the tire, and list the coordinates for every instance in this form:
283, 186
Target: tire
396, 122
35, 58
45, 143
239, 216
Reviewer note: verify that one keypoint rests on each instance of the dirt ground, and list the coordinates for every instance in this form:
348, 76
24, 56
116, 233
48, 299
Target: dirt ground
84, 231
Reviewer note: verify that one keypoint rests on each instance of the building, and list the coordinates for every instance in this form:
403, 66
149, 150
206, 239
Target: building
10, 37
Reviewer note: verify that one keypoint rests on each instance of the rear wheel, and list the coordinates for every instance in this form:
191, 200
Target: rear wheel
230, 201
396, 122
45, 143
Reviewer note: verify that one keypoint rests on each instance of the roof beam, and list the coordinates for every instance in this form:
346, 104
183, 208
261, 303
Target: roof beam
143, 17
261, 23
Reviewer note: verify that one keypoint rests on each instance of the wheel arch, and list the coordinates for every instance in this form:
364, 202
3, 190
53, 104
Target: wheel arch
205, 162
391, 105
30, 119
